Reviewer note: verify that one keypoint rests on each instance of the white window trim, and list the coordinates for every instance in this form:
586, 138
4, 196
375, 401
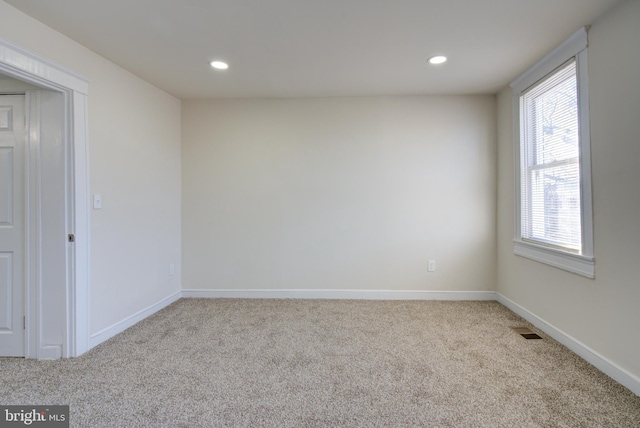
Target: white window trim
584, 263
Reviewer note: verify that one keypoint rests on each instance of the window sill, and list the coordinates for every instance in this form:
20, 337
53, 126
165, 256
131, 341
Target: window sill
581, 265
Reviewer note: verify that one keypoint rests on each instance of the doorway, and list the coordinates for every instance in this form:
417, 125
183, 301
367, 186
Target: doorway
56, 238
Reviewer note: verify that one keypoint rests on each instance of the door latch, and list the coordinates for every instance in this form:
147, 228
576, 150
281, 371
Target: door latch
72, 237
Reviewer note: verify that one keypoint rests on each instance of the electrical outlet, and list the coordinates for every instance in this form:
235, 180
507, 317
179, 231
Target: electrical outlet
431, 267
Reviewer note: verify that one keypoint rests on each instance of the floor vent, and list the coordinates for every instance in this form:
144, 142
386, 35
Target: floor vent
526, 333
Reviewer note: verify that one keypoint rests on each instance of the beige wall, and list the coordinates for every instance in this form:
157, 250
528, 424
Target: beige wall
603, 313
134, 148
339, 193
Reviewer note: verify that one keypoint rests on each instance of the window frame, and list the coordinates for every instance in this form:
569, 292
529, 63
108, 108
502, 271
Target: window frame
584, 262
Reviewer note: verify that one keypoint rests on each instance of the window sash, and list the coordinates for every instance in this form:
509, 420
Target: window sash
550, 168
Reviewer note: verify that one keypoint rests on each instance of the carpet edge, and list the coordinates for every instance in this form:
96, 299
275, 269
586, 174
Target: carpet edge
608, 367
107, 333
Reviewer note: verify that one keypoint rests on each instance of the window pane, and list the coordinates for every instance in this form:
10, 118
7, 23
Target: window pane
555, 206
550, 161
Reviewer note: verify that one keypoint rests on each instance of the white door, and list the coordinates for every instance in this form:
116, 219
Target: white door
12, 225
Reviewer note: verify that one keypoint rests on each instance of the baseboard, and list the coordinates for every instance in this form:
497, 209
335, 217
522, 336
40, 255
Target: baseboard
603, 364
119, 327
341, 294
617, 373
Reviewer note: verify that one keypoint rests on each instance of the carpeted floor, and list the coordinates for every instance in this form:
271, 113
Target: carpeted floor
319, 363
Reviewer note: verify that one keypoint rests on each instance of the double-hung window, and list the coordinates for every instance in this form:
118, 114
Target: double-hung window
553, 203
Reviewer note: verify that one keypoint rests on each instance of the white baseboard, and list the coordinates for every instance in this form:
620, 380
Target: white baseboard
603, 364
119, 327
341, 294
617, 373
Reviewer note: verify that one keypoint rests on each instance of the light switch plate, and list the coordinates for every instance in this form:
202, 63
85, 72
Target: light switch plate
97, 201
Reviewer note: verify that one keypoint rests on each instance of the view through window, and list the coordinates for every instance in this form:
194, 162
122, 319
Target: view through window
550, 166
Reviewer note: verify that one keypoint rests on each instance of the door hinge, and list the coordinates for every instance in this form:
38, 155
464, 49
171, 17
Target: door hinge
24, 322
72, 237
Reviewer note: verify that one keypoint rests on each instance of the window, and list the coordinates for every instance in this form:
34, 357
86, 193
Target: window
553, 204
549, 167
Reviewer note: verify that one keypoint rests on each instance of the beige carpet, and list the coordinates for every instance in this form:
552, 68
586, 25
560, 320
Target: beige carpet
319, 363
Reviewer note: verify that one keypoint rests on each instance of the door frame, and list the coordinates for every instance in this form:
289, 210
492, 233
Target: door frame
30, 67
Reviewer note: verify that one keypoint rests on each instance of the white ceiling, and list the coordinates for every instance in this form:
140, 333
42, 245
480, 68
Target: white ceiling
315, 48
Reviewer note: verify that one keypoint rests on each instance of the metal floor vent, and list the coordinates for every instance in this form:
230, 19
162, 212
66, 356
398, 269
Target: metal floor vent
526, 333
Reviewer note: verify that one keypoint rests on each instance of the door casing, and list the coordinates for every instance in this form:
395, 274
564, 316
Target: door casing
73, 306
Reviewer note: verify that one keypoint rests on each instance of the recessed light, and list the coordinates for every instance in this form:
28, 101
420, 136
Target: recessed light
439, 59
219, 65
